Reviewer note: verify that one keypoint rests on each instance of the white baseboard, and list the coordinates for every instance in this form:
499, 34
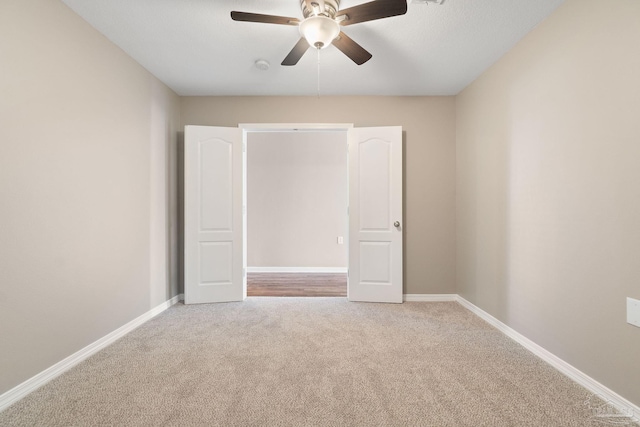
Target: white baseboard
297, 270
429, 297
18, 392
611, 397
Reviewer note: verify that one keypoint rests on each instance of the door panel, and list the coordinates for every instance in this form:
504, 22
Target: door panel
216, 261
374, 192
216, 184
375, 260
375, 203
213, 215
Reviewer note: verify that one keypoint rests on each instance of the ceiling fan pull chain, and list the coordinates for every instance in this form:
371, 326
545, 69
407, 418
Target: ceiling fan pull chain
318, 72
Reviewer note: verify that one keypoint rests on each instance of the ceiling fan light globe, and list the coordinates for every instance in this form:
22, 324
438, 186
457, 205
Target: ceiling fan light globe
319, 31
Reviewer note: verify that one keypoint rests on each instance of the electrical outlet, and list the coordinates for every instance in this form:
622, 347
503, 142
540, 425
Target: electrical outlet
340, 240
633, 312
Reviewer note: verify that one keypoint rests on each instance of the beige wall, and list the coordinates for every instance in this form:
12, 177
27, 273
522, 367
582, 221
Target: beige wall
296, 199
548, 189
429, 163
87, 207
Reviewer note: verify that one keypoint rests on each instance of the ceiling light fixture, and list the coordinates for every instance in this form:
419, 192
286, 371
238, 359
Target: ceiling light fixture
319, 31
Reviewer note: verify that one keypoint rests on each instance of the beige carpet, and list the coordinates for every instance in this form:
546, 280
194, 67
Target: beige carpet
310, 362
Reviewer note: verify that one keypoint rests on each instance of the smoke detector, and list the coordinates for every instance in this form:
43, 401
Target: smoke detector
262, 64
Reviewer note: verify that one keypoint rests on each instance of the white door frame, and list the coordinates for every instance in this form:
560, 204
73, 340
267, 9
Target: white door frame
292, 127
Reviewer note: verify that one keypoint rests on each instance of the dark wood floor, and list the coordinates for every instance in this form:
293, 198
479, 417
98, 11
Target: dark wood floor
296, 285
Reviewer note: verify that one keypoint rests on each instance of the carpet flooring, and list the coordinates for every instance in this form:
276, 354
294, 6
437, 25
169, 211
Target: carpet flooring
310, 362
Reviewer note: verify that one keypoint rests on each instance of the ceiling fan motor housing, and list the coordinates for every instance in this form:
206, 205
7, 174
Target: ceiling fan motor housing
330, 8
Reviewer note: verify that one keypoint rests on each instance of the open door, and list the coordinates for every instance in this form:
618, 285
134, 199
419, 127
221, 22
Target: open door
213, 198
375, 214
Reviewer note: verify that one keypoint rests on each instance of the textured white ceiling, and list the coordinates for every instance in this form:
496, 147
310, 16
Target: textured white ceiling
196, 49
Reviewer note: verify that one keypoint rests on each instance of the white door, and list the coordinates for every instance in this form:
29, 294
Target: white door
375, 214
213, 198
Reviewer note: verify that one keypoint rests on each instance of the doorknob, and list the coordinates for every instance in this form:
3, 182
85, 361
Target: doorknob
396, 224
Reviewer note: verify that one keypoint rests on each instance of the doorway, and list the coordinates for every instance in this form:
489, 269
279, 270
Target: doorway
215, 212
297, 220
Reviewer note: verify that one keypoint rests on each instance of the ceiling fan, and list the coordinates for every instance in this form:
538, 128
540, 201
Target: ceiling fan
321, 25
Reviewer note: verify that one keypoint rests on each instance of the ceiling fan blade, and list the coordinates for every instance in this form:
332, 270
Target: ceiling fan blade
352, 49
266, 19
373, 10
296, 53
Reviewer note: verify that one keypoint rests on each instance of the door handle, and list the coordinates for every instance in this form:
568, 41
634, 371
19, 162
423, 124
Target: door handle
396, 224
